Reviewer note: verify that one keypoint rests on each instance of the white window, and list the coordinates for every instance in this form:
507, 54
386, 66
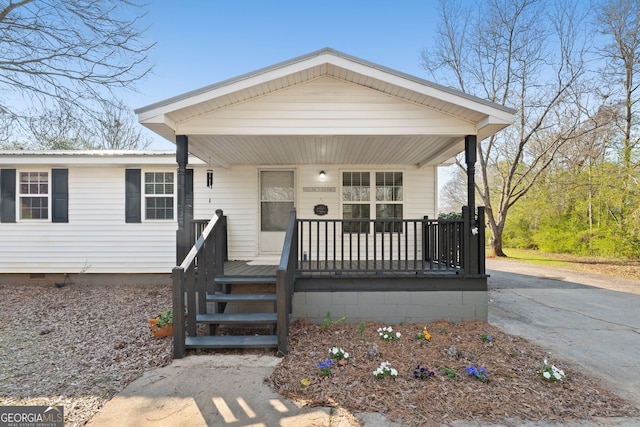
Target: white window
357, 203
159, 195
389, 196
34, 195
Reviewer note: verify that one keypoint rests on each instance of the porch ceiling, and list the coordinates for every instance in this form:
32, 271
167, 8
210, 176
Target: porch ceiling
229, 150
325, 108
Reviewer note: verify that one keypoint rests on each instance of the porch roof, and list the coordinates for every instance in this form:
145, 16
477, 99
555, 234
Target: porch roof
325, 107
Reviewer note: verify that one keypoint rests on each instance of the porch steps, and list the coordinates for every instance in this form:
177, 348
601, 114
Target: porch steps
241, 297
245, 280
242, 341
232, 318
253, 327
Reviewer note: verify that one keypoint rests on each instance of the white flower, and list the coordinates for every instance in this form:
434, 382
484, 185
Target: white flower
556, 375
394, 373
474, 230
346, 355
398, 334
546, 374
544, 361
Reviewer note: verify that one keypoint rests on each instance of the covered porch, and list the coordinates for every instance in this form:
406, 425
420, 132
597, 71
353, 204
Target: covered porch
323, 111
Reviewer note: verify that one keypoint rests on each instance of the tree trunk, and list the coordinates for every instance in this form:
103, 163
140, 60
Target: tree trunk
495, 243
496, 228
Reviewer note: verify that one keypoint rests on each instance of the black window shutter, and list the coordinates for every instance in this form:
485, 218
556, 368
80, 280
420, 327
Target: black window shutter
133, 203
7, 195
60, 195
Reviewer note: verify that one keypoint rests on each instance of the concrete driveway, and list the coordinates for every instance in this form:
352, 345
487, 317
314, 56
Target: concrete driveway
589, 319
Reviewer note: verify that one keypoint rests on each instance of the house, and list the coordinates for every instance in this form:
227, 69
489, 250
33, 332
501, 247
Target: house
328, 162
91, 216
308, 186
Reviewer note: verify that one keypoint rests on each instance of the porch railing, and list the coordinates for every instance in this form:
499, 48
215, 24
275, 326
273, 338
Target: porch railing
379, 246
197, 271
285, 278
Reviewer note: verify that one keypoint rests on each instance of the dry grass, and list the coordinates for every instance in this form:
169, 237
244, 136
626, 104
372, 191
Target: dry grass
614, 267
514, 391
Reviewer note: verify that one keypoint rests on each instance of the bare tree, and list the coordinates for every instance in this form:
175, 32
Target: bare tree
619, 21
71, 51
56, 129
453, 195
117, 129
524, 54
69, 128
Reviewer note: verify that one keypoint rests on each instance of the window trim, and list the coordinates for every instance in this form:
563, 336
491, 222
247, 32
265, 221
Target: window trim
20, 195
144, 196
135, 210
372, 202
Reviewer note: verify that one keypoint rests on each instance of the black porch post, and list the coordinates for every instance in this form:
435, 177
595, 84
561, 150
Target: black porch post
470, 150
471, 232
182, 235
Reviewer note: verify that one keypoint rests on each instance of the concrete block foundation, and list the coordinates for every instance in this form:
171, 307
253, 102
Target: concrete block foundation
391, 307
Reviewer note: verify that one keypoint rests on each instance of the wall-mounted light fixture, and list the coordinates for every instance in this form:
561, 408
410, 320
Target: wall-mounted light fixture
323, 175
209, 178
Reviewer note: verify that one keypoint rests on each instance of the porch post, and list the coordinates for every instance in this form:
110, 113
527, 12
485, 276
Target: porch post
470, 150
470, 233
182, 234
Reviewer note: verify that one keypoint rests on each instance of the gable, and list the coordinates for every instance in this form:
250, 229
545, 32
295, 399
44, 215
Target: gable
325, 106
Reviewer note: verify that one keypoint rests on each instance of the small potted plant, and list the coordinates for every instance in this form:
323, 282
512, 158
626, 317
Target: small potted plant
162, 324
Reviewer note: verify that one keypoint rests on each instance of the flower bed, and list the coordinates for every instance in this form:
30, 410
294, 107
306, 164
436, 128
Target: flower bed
508, 384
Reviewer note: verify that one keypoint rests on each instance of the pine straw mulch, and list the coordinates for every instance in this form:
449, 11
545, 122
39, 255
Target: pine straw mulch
513, 393
77, 346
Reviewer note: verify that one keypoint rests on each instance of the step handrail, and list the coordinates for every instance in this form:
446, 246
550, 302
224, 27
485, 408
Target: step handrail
184, 277
285, 277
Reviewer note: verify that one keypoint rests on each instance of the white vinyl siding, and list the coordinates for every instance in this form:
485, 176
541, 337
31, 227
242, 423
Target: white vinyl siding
96, 239
326, 106
235, 191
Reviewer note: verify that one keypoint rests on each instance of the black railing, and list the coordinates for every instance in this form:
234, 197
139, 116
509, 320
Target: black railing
380, 246
197, 271
285, 278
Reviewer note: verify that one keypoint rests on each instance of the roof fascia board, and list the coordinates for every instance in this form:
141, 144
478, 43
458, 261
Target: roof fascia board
91, 158
225, 89
435, 91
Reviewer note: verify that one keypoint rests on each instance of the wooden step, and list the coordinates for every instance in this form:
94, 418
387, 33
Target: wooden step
232, 341
242, 297
245, 280
226, 318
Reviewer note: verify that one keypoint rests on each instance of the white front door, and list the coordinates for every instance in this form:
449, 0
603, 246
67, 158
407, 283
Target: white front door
277, 192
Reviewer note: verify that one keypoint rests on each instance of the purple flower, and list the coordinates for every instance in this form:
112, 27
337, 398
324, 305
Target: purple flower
479, 374
325, 365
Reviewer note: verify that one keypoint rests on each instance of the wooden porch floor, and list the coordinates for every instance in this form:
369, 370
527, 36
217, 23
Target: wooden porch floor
242, 268
353, 268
